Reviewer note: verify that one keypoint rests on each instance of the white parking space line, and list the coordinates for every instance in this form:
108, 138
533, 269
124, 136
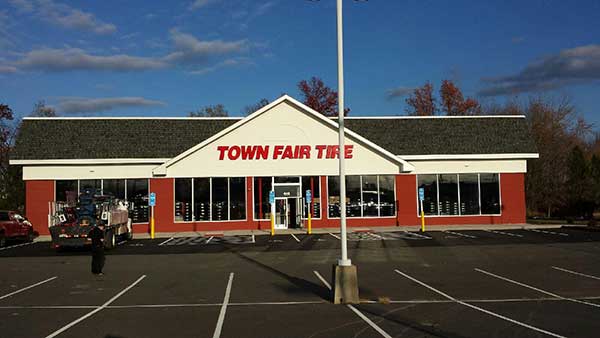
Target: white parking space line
221, 319
459, 234
16, 246
28, 287
210, 239
576, 273
503, 233
253, 239
477, 307
167, 241
356, 311
417, 235
98, 309
296, 238
335, 236
548, 232
537, 289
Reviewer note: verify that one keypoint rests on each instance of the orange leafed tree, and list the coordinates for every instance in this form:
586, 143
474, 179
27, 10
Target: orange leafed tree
320, 97
421, 102
454, 103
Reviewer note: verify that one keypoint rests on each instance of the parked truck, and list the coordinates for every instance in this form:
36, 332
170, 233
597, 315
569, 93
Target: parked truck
70, 223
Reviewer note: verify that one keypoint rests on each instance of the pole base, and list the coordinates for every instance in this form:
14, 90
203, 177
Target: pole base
345, 285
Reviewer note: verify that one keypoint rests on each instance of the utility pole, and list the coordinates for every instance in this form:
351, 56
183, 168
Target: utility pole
345, 277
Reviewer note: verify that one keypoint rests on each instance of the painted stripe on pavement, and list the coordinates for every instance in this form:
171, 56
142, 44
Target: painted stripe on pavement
28, 287
576, 273
537, 289
356, 311
477, 307
221, 319
98, 309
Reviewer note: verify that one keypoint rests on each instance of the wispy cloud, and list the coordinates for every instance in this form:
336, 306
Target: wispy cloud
199, 4
186, 52
73, 105
569, 66
72, 59
191, 51
398, 92
223, 64
63, 15
7, 69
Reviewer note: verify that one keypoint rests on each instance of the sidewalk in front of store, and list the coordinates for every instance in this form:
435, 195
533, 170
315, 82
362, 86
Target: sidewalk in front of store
337, 230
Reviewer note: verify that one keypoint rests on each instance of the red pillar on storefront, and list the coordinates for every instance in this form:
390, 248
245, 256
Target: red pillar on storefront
164, 214
38, 195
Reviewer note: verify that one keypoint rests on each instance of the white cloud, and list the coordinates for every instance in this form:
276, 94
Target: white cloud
569, 66
7, 69
199, 4
73, 105
71, 59
23, 6
191, 51
223, 64
187, 52
63, 15
397, 92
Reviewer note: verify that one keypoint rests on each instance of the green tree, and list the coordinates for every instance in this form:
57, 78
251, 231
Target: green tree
12, 187
217, 110
578, 184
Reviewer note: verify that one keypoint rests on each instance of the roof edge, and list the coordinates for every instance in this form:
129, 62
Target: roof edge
90, 161
469, 156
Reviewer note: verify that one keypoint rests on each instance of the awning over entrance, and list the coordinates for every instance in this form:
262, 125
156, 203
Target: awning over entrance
284, 138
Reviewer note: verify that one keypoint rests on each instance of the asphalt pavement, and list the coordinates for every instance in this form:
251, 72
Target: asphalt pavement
453, 283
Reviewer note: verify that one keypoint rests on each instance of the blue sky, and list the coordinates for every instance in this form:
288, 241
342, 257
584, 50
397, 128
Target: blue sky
166, 58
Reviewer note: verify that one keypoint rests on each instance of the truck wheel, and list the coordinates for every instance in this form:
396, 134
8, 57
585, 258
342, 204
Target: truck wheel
109, 240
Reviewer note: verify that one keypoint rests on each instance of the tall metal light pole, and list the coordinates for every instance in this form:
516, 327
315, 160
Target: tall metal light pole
344, 273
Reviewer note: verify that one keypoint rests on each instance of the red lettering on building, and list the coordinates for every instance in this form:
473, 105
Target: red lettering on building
282, 152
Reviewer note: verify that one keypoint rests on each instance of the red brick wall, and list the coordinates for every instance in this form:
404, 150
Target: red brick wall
512, 189
38, 194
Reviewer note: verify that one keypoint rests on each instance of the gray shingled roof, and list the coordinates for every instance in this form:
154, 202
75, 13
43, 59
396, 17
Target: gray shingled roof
166, 138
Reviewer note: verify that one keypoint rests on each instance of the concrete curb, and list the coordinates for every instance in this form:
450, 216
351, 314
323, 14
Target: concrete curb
46, 238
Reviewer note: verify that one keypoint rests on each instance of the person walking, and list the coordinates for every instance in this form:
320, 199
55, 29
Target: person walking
97, 237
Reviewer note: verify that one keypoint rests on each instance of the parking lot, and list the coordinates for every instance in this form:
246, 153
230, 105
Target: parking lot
462, 283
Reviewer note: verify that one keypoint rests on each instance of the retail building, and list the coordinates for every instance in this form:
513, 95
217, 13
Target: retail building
216, 174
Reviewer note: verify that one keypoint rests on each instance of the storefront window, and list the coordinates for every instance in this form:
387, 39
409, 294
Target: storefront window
183, 199
202, 199
353, 198
237, 198
93, 186
490, 194
66, 191
429, 184
137, 196
370, 196
333, 189
387, 198
114, 188
262, 208
469, 194
313, 184
448, 195
219, 199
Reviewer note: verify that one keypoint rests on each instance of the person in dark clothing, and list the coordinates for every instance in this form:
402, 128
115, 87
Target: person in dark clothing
97, 237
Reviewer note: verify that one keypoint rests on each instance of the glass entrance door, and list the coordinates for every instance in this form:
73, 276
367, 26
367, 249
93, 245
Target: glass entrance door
281, 213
